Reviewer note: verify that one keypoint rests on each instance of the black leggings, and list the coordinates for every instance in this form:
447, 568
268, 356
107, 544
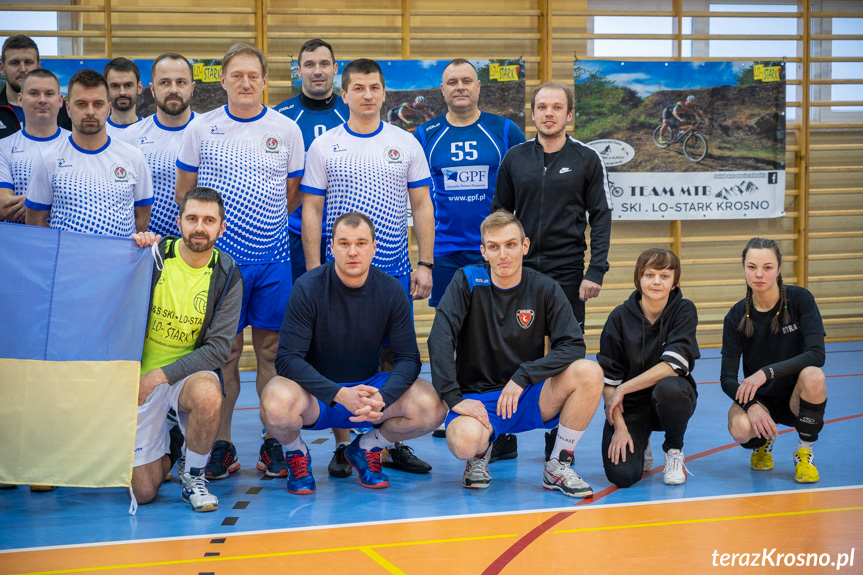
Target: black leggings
672, 403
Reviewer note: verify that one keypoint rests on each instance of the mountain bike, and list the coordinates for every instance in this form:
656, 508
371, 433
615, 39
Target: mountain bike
694, 144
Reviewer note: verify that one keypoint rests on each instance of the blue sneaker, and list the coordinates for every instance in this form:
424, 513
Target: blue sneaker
223, 460
300, 479
368, 465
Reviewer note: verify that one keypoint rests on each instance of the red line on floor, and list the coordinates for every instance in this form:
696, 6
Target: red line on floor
507, 556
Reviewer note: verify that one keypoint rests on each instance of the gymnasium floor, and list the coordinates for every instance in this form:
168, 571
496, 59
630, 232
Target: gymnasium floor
429, 524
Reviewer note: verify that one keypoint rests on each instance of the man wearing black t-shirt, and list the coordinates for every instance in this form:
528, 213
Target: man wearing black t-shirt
336, 322
488, 360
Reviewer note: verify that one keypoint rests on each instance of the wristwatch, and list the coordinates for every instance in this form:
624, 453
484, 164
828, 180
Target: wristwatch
426, 264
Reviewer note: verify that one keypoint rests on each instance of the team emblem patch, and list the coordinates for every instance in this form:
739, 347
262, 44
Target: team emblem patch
272, 143
525, 317
121, 174
394, 155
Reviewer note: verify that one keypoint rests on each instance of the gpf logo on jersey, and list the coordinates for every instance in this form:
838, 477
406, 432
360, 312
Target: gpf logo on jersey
394, 155
525, 317
214, 130
272, 143
466, 178
144, 140
121, 174
16, 150
61, 163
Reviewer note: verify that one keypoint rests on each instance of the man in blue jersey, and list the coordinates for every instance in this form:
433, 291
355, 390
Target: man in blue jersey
40, 99
124, 87
464, 149
330, 377
253, 156
316, 109
88, 182
159, 136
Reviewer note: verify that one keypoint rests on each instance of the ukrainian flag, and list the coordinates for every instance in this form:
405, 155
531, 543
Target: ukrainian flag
74, 311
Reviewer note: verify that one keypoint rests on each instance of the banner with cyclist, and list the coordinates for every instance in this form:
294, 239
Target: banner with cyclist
414, 96
686, 140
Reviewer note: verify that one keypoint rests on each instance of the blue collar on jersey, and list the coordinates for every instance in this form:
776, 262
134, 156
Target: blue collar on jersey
177, 129
35, 139
83, 151
375, 133
258, 117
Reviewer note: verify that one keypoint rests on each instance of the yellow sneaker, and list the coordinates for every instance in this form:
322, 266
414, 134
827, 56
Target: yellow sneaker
762, 458
804, 470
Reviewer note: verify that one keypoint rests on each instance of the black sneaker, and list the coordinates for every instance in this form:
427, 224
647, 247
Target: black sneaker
505, 447
271, 459
339, 466
402, 457
550, 438
440, 431
223, 460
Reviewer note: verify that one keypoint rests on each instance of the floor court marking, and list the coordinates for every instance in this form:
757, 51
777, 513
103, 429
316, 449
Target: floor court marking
507, 556
381, 561
708, 520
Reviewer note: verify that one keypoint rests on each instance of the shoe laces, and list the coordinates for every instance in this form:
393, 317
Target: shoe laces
221, 453
340, 454
373, 458
767, 447
273, 451
677, 462
299, 465
807, 454
405, 452
477, 464
198, 484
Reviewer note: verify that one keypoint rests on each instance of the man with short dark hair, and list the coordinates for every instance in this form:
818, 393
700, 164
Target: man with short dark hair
40, 99
124, 87
20, 55
88, 182
489, 362
329, 376
201, 289
253, 156
159, 136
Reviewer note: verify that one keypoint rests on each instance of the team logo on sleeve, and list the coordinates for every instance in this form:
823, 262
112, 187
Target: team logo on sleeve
525, 317
272, 143
394, 155
121, 174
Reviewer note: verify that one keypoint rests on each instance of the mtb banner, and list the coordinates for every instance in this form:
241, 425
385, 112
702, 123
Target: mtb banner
414, 96
686, 140
208, 94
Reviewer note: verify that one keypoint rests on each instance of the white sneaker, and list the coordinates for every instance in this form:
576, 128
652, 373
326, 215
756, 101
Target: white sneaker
559, 475
675, 468
648, 457
196, 494
476, 474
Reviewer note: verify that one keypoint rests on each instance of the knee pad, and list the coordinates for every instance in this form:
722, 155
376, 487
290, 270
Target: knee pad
810, 420
754, 443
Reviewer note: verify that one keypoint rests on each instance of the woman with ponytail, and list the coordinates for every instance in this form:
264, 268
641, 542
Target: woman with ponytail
778, 331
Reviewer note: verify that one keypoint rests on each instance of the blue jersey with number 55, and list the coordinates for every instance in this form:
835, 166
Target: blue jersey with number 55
464, 163
313, 123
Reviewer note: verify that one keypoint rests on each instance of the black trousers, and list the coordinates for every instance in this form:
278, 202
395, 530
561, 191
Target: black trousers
671, 405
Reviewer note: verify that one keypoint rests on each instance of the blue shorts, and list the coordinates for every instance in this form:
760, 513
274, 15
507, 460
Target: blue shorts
266, 288
338, 417
445, 267
526, 417
298, 256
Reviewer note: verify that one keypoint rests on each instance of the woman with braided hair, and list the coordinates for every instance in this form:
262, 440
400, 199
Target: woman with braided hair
778, 331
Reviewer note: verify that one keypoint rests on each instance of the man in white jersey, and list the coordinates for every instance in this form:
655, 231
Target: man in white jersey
159, 136
372, 167
40, 99
124, 87
253, 156
202, 289
89, 182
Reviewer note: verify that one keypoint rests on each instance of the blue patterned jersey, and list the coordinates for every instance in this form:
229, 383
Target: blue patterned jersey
248, 161
464, 163
17, 153
369, 173
160, 145
93, 192
312, 123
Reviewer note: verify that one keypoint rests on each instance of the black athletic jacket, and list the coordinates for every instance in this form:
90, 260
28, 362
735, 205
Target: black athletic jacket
630, 344
551, 203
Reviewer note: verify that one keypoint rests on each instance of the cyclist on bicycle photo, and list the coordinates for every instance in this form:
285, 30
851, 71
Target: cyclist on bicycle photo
681, 112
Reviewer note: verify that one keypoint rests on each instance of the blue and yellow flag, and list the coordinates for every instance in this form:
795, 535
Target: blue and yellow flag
74, 311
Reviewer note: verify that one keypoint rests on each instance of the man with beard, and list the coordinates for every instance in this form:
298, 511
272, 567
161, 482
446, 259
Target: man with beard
203, 289
40, 99
159, 136
87, 182
20, 56
124, 87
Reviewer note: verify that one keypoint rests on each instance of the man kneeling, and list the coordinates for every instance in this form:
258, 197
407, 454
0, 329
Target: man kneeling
488, 361
338, 317
195, 299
